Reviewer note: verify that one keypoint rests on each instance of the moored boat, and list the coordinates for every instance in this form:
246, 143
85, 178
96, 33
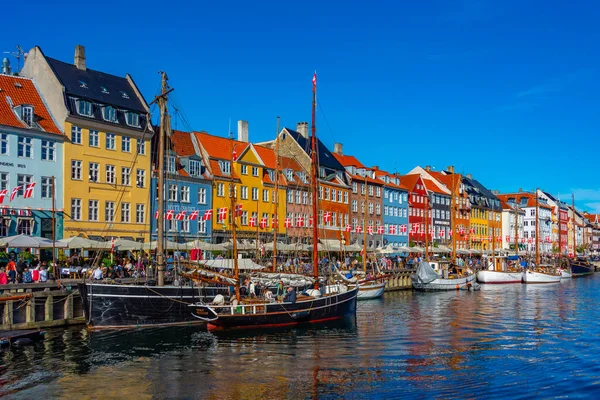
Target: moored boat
499, 277
371, 290
581, 267
426, 279
565, 274
539, 276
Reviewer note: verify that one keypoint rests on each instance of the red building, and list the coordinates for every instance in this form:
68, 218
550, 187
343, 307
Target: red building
563, 226
418, 209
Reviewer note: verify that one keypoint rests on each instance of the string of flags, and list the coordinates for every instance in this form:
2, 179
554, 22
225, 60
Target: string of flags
27, 194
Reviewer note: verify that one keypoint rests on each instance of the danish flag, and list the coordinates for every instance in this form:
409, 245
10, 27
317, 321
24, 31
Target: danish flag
466, 237
234, 155
275, 223
327, 217
348, 228
403, 228
393, 229
14, 192
508, 238
222, 213
370, 230
530, 240
498, 239
380, 230
263, 223
450, 233
314, 81
443, 233
2, 195
358, 229
156, 214
472, 231
180, 216
300, 222
207, 215
193, 215
310, 221
29, 190
238, 210
252, 221
287, 223
170, 214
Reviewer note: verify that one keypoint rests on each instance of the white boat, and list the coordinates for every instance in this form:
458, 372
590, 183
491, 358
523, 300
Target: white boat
499, 277
426, 279
370, 290
565, 274
530, 276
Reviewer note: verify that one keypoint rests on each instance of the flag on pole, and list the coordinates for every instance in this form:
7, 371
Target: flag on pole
222, 213
180, 216
14, 192
238, 210
348, 228
380, 230
193, 215
263, 223
370, 230
275, 223
252, 222
314, 81
156, 214
299, 222
392, 229
2, 195
207, 215
358, 229
327, 217
29, 190
170, 214
287, 223
112, 245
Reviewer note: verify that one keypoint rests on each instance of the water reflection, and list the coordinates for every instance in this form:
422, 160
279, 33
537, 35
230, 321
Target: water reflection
504, 341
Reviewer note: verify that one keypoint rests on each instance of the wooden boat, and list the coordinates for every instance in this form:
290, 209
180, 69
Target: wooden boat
581, 267
565, 274
499, 277
323, 303
426, 279
371, 289
541, 276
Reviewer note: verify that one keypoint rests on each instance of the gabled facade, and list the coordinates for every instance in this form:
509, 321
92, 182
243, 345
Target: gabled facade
106, 172
188, 192
512, 235
298, 201
395, 209
418, 209
31, 154
486, 215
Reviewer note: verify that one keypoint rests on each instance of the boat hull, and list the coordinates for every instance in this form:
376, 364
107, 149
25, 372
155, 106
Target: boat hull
499, 277
579, 268
564, 274
371, 290
540, 277
136, 306
442, 284
270, 315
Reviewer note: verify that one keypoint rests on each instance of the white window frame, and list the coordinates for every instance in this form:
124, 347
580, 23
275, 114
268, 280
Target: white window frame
94, 139
94, 172
111, 141
76, 170
76, 209
24, 147
125, 144
49, 147
93, 212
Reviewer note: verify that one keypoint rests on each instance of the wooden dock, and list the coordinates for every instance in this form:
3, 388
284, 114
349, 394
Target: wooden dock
8, 338
400, 280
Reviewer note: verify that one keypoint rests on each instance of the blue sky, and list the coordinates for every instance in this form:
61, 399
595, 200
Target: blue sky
506, 91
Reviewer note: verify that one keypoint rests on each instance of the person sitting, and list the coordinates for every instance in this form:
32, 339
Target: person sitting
3, 277
27, 278
290, 297
269, 296
43, 273
98, 275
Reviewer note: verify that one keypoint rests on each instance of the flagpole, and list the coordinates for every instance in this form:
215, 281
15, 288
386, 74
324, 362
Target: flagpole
53, 225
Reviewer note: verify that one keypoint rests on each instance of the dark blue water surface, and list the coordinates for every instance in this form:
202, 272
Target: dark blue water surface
512, 341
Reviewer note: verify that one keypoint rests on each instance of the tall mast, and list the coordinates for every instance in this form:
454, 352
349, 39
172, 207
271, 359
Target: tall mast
426, 226
574, 225
236, 272
53, 224
493, 239
453, 218
516, 230
537, 229
314, 185
276, 194
365, 227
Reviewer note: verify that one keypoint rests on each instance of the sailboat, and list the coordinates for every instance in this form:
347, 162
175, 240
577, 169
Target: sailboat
540, 273
323, 303
122, 306
427, 279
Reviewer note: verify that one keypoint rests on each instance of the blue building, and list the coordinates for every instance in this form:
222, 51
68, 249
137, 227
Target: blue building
395, 209
31, 155
188, 192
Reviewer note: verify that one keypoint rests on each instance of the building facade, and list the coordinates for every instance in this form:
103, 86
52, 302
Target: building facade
106, 171
31, 161
395, 209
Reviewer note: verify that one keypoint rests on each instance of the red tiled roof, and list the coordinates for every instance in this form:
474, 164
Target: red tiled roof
219, 147
432, 186
409, 181
530, 199
348, 161
182, 143
22, 91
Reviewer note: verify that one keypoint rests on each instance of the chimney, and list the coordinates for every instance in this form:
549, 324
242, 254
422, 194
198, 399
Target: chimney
5, 66
450, 168
80, 57
469, 176
243, 131
427, 168
337, 148
520, 190
375, 167
302, 128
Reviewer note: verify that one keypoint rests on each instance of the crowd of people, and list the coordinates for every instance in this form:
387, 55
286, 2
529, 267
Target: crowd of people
18, 271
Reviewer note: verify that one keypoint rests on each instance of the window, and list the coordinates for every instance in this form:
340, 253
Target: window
185, 225
362, 188
140, 178
244, 218
333, 195
185, 194
354, 187
24, 147
76, 209
385, 210
320, 192
126, 144
141, 147
290, 196
265, 195
202, 196
304, 197
354, 206
140, 213
27, 115
111, 174
201, 226
125, 212
298, 194
125, 176
378, 209
46, 187
93, 210
24, 227
4, 180
170, 164
244, 192
254, 171
48, 150
195, 169
94, 139
94, 171
346, 198
172, 225
110, 114
132, 119
4, 144
84, 107
327, 193
339, 196
109, 211
22, 181
254, 193
110, 141
76, 170
378, 191
244, 170
220, 189
225, 167
362, 207
172, 192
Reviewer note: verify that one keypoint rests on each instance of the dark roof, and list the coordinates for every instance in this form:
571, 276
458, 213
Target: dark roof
325, 157
482, 196
71, 77
550, 197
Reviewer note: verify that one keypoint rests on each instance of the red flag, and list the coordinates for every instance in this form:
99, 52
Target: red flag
358, 229
299, 222
2, 195
275, 223
393, 229
263, 223
234, 155
156, 214
207, 215
314, 81
180, 216
403, 228
380, 230
29, 190
14, 192
193, 215
370, 230
327, 217
223, 213
472, 231
443, 233
170, 214
466, 237
252, 222
112, 245
508, 238
348, 228
238, 210
288, 223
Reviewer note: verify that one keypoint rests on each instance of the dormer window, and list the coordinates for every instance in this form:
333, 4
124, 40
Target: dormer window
83, 84
225, 167
27, 115
289, 175
195, 168
110, 114
132, 119
104, 90
124, 95
84, 107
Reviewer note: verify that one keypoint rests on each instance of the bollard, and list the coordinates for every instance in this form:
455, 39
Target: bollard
49, 311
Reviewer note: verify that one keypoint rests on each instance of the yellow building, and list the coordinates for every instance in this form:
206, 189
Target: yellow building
106, 176
252, 175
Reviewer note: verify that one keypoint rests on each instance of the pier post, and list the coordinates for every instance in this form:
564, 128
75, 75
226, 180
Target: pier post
8, 314
69, 307
30, 310
48, 311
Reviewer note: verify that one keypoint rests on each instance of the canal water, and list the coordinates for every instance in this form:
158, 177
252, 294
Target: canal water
513, 341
